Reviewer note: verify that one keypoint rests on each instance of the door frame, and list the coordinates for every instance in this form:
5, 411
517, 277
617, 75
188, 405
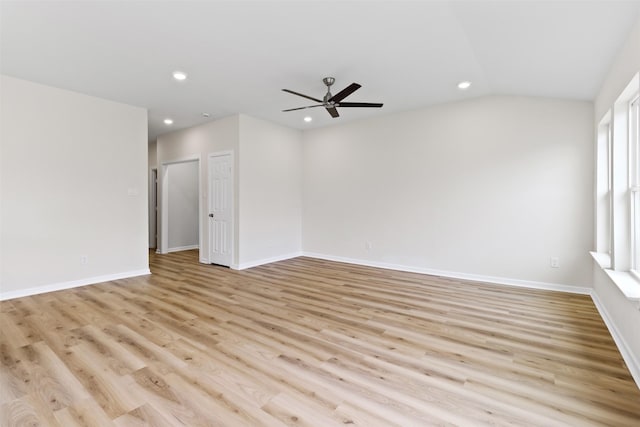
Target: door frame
232, 183
163, 211
153, 208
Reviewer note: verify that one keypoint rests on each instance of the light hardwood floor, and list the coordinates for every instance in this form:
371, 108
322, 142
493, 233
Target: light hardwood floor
306, 342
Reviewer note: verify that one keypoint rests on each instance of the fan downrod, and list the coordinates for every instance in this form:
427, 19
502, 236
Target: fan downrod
328, 81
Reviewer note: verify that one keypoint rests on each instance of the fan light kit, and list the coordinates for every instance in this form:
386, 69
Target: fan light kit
464, 85
331, 102
168, 122
180, 75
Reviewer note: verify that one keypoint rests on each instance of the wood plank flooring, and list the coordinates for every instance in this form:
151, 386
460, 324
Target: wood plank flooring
306, 342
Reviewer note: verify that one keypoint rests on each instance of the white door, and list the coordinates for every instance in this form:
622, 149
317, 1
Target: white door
220, 206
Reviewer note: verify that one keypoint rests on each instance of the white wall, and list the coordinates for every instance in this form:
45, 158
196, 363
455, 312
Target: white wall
493, 187
199, 142
623, 68
270, 192
183, 205
622, 315
152, 151
73, 184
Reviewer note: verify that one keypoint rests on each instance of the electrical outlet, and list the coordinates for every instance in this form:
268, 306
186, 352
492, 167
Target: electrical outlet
84, 259
367, 246
554, 262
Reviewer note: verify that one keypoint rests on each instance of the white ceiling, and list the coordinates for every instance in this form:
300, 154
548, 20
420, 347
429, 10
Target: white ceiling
240, 54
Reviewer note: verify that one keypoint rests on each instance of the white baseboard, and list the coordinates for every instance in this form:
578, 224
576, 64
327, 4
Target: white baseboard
183, 248
629, 358
245, 265
454, 275
71, 284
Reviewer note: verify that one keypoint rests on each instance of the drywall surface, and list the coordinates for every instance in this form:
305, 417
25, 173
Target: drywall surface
74, 187
270, 191
197, 143
494, 186
624, 67
622, 316
153, 155
183, 183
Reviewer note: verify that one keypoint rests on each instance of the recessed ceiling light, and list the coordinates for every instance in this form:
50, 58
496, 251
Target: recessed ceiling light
206, 115
308, 119
464, 85
168, 121
180, 75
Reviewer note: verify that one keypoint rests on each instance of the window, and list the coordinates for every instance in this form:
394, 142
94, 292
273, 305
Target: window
618, 191
634, 181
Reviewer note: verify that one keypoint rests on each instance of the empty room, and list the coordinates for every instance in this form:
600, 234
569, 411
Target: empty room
319, 213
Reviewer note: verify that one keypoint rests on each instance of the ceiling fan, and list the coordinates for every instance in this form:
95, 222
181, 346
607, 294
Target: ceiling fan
331, 102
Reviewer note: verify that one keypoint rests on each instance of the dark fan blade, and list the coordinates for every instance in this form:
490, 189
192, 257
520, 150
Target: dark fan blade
360, 104
302, 108
345, 92
333, 112
302, 95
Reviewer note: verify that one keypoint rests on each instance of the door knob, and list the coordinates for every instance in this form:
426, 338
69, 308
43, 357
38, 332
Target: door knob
211, 215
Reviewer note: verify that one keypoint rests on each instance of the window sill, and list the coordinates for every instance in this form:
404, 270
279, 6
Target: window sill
603, 260
624, 280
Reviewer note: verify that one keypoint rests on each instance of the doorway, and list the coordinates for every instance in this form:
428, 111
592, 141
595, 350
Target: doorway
180, 206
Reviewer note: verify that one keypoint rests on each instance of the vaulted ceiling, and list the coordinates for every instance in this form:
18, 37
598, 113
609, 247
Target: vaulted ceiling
240, 54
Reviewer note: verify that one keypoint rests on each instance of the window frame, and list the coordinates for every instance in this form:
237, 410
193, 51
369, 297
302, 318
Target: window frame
604, 218
634, 184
